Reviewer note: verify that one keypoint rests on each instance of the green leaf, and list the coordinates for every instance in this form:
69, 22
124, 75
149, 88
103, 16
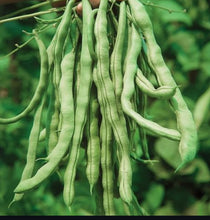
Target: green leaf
205, 60
14, 28
160, 112
154, 197
202, 171
4, 65
198, 208
201, 108
8, 108
181, 197
177, 14
184, 45
167, 209
205, 52
119, 206
199, 169
168, 151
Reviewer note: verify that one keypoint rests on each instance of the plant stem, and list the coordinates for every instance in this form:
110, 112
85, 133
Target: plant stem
148, 3
18, 47
24, 9
31, 15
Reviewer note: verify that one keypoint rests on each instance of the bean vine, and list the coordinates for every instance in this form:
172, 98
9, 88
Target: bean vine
91, 78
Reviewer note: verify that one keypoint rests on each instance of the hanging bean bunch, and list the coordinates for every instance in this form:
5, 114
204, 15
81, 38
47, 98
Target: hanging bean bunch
93, 76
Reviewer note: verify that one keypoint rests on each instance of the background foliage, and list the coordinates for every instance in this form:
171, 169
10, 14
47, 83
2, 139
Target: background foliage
185, 42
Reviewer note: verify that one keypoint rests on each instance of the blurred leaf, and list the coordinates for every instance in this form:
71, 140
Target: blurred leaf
14, 28
167, 209
199, 169
3, 182
203, 131
187, 52
168, 151
8, 108
161, 112
140, 172
205, 52
154, 197
205, 59
119, 206
167, 17
181, 197
202, 107
200, 208
83, 203
4, 64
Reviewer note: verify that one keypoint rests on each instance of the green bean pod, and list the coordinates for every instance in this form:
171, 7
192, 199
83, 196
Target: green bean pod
62, 32
141, 131
67, 129
105, 85
82, 102
50, 52
40, 90
52, 119
128, 90
106, 153
61, 37
93, 149
185, 122
163, 92
116, 64
32, 148
90, 36
42, 135
201, 108
107, 166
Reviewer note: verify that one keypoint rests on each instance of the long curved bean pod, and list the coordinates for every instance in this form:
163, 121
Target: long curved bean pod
106, 153
32, 148
93, 149
67, 111
62, 32
201, 108
50, 52
82, 101
107, 166
185, 122
52, 119
106, 86
60, 39
90, 36
163, 92
40, 90
142, 104
116, 64
42, 135
128, 90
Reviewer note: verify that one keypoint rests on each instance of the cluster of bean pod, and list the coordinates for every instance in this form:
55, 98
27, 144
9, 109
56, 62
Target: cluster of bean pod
92, 78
